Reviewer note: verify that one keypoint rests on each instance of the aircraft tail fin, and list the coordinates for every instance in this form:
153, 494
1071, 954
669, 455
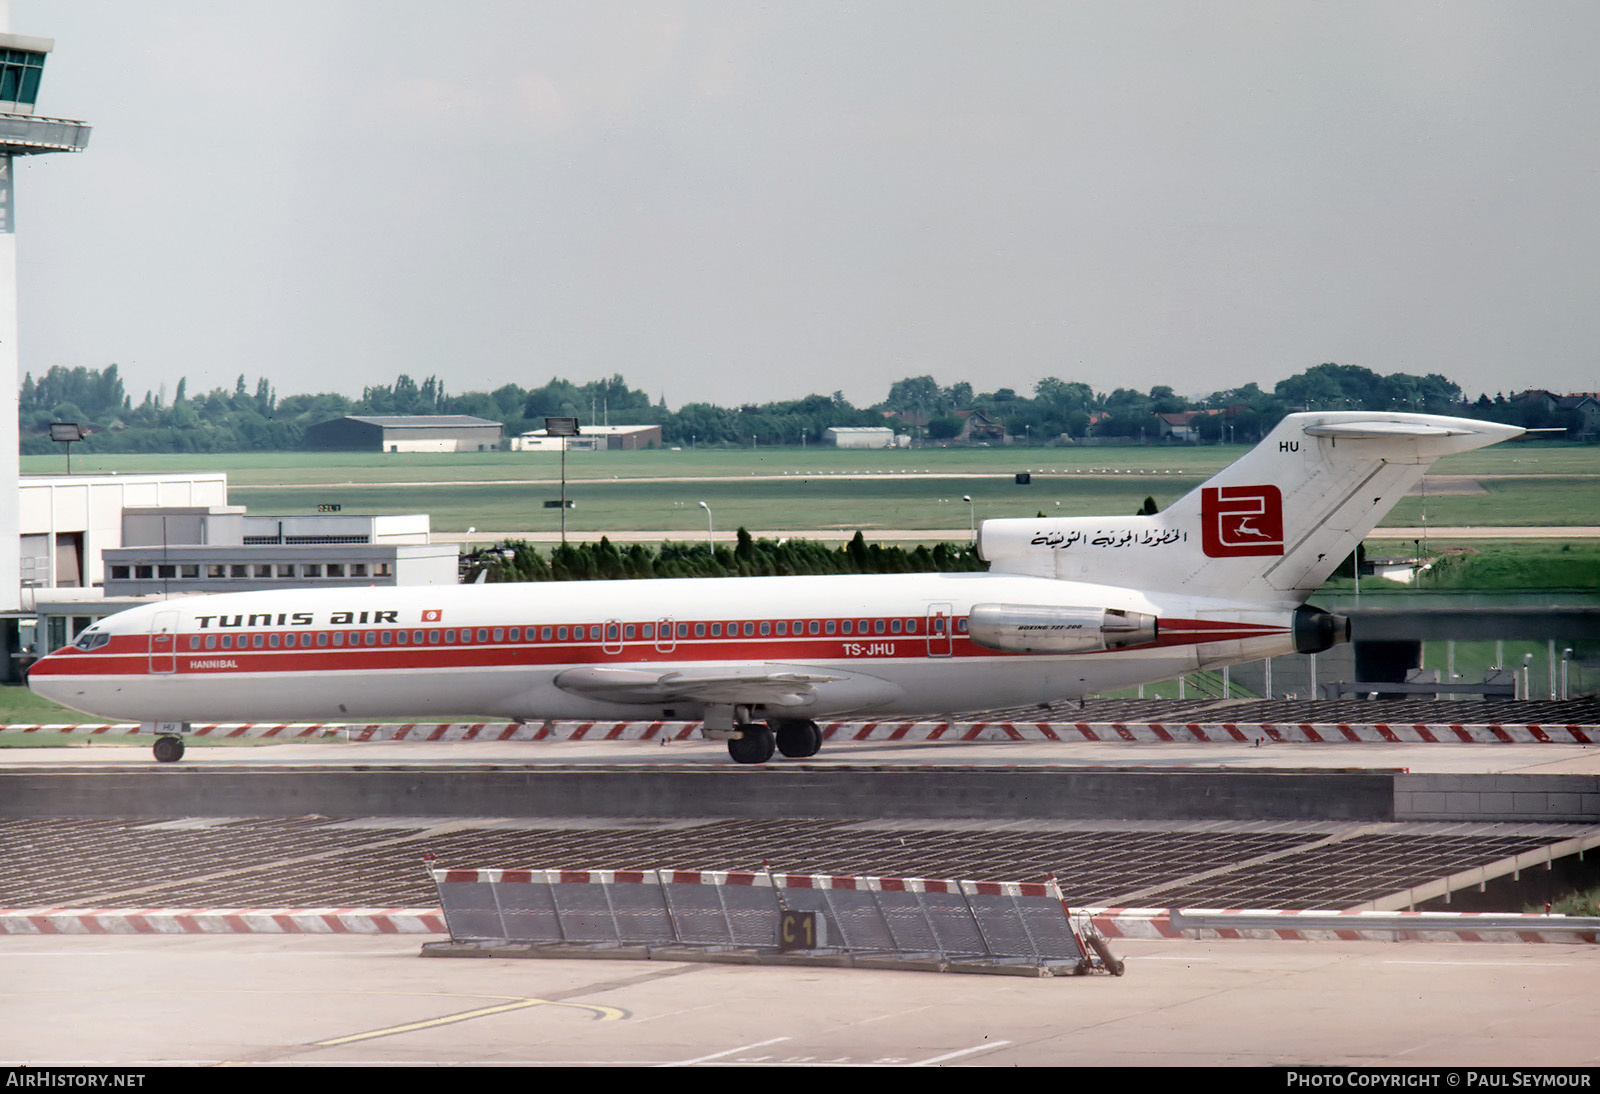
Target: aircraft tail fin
1271, 526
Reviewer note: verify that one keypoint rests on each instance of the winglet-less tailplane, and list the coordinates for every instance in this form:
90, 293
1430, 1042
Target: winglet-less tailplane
1068, 608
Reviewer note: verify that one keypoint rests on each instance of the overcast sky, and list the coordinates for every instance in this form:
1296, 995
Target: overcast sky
738, 202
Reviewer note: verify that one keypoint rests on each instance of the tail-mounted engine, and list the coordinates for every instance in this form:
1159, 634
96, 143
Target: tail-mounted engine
1027, 628
1316, 630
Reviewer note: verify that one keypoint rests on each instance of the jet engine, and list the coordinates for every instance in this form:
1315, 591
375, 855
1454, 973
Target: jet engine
1029, 628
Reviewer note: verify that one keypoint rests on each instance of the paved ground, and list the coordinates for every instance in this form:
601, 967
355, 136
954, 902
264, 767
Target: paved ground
346, 1001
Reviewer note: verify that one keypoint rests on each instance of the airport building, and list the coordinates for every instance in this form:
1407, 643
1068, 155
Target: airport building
872, 436
593, 438
406, 433
93, 545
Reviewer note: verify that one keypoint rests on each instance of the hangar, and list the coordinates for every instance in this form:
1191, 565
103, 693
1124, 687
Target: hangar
406, 433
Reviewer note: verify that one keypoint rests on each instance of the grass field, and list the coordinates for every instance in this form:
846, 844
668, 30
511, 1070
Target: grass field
292, 468
793, 488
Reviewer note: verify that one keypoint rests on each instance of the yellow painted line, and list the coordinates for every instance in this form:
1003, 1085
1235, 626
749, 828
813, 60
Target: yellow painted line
605, 1014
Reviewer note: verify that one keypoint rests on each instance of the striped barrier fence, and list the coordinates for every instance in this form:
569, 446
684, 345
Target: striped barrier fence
1093, 732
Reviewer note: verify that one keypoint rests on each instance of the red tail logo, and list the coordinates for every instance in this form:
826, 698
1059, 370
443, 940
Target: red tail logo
1241, 520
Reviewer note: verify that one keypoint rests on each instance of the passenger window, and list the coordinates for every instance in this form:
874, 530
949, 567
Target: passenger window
483, 634
433, 638
683, 630
258, 641
338, 638
499, 634
322, 638
847, 627
516, 634
227, 641
812, 627
627, 630
877, 626
561, 634
388, 638
894, 626
766, 628
648, 630
372, 637
749, 629
211, 641
699, 630
783, 626
194, 641
272, 641
716, 630
828, 626
544, 634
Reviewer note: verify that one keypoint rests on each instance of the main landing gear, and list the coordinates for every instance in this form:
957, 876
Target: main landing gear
169, 750
756, 742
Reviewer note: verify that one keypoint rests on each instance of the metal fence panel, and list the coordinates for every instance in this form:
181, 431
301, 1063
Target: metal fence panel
527, 909
470, 911
585, 910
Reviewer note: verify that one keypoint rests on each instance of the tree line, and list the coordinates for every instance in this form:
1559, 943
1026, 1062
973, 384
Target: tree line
254, 418
519, 560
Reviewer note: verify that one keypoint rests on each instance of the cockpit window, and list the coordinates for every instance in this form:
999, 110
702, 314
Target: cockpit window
91, 640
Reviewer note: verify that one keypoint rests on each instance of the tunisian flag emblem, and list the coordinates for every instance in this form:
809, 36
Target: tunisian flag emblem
432, 616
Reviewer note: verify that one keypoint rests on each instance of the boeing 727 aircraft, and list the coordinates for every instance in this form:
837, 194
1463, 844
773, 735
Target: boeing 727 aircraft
1069, 607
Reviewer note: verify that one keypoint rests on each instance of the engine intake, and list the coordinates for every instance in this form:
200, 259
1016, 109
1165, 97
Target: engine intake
1029, 628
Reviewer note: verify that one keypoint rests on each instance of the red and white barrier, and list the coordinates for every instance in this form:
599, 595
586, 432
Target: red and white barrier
1304, 925
1097, 732
86, 921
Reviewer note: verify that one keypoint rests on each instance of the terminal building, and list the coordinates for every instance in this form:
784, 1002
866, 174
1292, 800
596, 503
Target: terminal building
93, 545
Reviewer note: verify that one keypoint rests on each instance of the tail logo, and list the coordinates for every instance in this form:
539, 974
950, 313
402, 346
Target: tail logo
1241, 520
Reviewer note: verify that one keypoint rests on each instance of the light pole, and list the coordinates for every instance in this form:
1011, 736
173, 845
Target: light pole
710, 541
468, 544
563, 428
972, 520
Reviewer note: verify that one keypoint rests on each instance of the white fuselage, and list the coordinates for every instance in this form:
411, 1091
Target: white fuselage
886, 645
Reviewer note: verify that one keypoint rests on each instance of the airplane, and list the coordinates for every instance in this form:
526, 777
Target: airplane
1069, 607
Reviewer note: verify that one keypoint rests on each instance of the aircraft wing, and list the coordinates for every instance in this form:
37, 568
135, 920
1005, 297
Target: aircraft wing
770, 684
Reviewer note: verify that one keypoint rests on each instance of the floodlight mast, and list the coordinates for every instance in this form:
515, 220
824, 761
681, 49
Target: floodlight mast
563, 428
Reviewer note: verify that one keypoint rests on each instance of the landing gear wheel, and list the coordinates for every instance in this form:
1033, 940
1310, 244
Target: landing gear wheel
797, 739
755, 746
169, 750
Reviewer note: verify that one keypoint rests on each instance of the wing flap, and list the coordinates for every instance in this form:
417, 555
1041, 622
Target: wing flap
772, 685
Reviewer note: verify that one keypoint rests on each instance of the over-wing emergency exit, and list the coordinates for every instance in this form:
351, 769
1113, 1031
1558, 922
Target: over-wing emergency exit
1069, 607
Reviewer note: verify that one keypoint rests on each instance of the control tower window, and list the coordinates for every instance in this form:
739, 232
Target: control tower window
20, 70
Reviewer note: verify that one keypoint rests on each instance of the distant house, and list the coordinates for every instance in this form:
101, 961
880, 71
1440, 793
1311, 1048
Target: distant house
978, 428
1586, 404
1179, 426
406, 433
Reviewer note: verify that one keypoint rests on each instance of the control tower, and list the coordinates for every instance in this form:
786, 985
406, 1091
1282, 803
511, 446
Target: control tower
22, 133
